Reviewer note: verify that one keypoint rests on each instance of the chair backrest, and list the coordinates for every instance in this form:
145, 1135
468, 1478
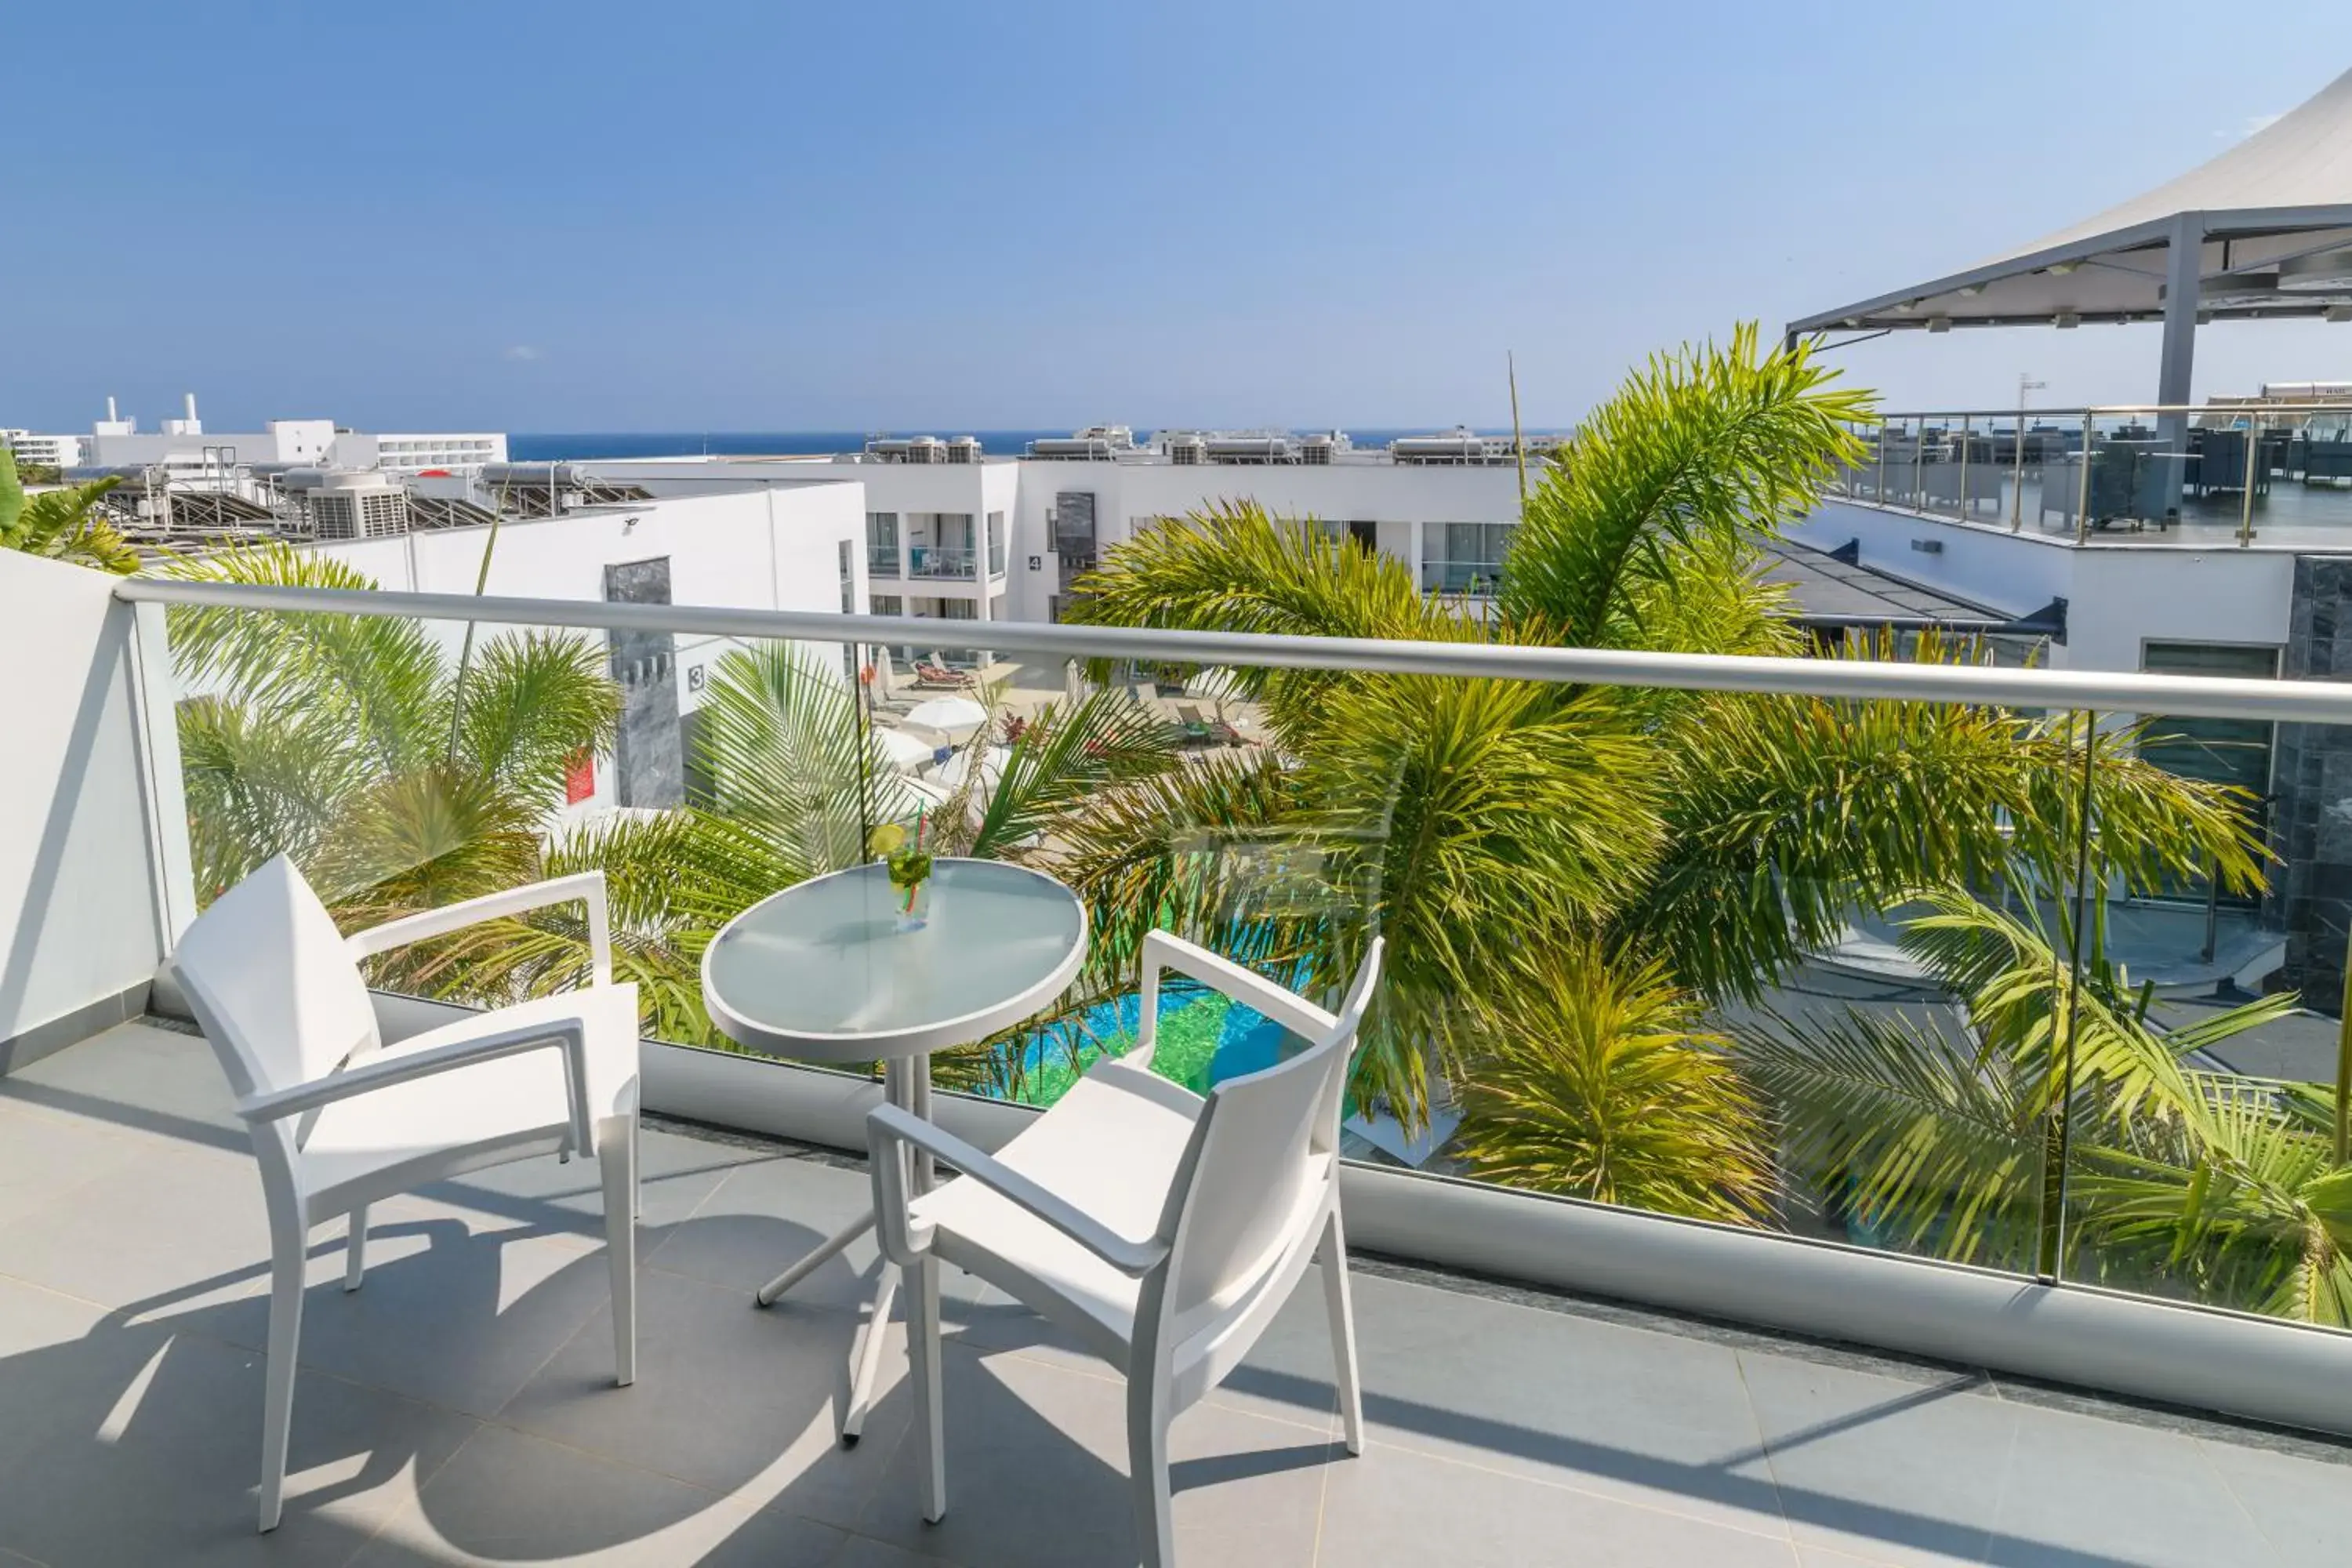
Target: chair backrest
1261, 1141
269, 980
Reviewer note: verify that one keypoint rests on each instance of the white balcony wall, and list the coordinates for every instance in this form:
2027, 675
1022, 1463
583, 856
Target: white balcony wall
771, 548
82, 919
908, 489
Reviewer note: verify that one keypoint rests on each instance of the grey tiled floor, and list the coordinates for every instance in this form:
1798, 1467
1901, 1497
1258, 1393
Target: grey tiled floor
459, 1409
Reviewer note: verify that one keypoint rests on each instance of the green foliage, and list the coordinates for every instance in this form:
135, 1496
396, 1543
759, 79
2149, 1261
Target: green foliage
61, 524
1785, 812
328, 738
1692, 453
2179, 1180
1720, 836
1596, 1080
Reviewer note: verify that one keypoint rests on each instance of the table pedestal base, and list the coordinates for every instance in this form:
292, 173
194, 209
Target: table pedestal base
907, 1085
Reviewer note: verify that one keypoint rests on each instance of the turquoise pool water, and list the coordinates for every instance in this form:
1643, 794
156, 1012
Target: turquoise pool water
1204, 1039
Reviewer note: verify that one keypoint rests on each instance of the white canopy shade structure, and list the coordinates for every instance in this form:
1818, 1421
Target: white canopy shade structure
2264, 230
954, 717
904, 752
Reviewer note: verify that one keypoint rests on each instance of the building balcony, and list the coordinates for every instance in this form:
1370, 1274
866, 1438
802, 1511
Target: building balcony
2275, 475
932, 564
1869, 1328
1473, 579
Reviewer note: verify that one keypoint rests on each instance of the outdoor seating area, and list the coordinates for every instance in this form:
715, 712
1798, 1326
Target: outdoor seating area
460, 1408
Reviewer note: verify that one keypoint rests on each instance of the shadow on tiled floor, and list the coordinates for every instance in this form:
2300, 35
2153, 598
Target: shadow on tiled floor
459, 1409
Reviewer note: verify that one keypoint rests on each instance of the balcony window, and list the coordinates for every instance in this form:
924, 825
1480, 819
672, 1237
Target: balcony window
882, 543
940, 545
1464, 557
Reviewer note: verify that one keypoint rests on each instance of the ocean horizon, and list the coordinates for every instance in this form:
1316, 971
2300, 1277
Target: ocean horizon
541, 447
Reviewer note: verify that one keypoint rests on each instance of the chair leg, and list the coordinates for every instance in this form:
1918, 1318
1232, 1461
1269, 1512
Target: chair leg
923, 1352
278, 1379
617, 1153
355, 1249
1148, 1401
1342, 1313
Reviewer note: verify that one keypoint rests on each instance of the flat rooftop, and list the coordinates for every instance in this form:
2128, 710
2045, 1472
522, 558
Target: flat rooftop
458, 1409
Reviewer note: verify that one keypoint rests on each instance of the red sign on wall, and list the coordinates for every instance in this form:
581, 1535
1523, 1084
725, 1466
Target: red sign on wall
580, 778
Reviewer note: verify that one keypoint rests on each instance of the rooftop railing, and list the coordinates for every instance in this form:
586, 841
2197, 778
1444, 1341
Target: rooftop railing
1884, 1001
2205, 474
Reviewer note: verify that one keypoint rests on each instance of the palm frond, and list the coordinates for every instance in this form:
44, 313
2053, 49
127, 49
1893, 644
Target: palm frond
258, 784
1786, 813
1063, 758
1916, 1132
378, 677
533, 701
789, 757
1598, 1081
1234, 567
62, 525
1708, 441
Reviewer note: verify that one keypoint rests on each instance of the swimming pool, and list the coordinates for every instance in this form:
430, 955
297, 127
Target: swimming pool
1204, 1038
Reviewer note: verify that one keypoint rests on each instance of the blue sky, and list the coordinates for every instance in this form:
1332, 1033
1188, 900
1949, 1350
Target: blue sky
760, 217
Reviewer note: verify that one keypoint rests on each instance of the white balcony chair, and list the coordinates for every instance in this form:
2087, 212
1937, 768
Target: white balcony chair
1162, 1229
338, 1120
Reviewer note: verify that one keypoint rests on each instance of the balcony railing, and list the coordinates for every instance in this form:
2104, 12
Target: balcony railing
2204, 474
936, 561
1475, 579
2052, 1099
882, 561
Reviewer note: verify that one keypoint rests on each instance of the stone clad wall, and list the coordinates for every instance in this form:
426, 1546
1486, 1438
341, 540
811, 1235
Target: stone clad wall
649, 758
2311, 819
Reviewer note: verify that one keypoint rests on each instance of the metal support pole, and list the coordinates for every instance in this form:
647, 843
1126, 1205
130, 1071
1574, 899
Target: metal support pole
2246, 477
2082, 486
1967, 424
2025, 383
1881, 497
1919, 466
2057, 1147
2183, 273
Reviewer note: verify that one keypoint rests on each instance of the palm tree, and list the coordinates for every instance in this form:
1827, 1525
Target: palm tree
1943, 1137
1601, 1078
1705, 841
62, 525
341, 741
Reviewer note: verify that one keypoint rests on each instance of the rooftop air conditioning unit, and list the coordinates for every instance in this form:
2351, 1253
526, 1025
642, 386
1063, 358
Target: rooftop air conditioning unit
1186, 451
1247, 449
1458, 446
964, 450
1316, 451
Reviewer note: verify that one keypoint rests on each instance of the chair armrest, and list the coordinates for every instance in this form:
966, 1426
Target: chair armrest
568, 1036
1162, 951
891, 1132
584, 886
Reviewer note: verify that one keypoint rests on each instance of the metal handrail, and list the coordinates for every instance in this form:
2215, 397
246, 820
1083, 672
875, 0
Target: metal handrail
2291, 701
2078, 410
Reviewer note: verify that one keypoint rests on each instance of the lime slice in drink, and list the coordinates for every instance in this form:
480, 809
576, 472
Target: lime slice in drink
886, 839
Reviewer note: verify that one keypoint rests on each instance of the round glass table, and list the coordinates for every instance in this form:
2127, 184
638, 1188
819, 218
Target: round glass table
825, 970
